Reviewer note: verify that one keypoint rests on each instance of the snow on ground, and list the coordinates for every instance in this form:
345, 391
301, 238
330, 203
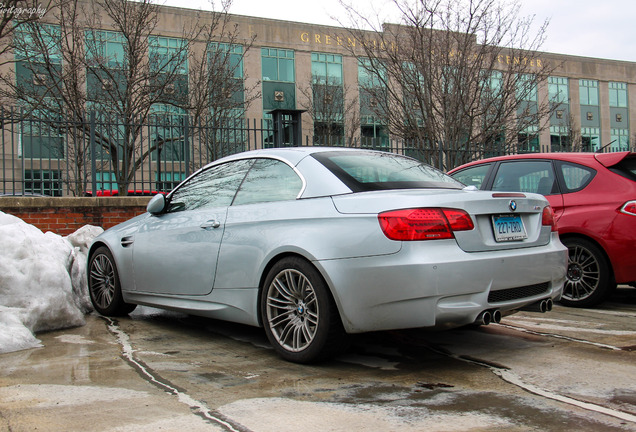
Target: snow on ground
42, 281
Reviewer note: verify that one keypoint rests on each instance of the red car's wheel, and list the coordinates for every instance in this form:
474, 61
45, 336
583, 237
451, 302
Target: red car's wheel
589, 279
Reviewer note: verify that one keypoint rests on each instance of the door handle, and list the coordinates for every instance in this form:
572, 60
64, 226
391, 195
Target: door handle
213, 223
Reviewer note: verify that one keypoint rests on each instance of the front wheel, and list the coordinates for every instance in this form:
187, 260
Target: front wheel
104, 286
299, 315
589, 279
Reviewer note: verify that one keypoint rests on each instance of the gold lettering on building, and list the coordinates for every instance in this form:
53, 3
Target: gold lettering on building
352, 42
515, 60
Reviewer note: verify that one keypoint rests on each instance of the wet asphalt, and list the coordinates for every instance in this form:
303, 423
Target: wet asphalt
566, 370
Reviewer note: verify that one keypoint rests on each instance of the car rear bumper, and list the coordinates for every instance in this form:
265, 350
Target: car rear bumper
436, 284
619, 243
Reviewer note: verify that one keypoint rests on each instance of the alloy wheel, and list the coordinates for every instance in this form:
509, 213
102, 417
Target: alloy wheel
583, 275
292, 310
102, 281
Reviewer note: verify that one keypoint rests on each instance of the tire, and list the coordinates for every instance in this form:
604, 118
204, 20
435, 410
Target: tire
589, 279
299, 315
104, 286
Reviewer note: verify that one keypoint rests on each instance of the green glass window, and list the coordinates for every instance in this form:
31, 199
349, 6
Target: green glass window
366, 75
560, 138
33, 44
588, 92
619, 139
45, 182
558, 90
618, 94
278, 65
527, 88
590, 138
168, 54
326, 69
166, 130
106, 48
106, 180
231, 58
528, 139
166, 181
494, 81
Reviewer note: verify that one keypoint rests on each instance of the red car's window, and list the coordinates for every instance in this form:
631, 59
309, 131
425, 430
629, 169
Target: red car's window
626, 168
576, 177
534, 176
472, 176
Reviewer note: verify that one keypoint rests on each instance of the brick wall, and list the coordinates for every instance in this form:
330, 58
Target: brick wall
66, 215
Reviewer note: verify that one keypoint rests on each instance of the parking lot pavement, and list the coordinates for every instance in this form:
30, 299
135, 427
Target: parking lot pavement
570, 369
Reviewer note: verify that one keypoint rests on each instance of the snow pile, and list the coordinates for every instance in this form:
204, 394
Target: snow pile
42, 281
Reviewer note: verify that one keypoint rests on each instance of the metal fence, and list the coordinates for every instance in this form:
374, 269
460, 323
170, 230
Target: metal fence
100, 156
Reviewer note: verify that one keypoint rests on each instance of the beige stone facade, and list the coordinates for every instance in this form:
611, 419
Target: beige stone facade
305, 39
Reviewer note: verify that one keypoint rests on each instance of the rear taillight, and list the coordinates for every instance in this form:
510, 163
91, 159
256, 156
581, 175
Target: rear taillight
424, 223
547, 219
629, 208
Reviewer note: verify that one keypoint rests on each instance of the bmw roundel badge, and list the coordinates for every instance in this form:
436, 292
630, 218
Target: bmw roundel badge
513, 205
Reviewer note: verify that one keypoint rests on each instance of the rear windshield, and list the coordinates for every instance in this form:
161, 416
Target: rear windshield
626, 168
369, 171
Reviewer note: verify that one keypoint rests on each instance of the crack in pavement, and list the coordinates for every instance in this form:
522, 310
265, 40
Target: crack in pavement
511, 377
198, 407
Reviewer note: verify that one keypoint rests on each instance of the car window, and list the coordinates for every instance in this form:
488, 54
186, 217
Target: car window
269, 180
369, 171
575, 176
626, 168
525, 176
473, 176
213, 187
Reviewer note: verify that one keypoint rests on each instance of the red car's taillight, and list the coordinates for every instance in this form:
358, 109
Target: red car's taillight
424, 223
547, 219
629, 208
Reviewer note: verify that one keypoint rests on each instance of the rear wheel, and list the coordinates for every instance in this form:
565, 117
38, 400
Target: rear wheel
299, 315
104, 286
589, 279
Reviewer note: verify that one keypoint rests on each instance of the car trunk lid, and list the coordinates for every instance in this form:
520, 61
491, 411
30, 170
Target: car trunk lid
502, 220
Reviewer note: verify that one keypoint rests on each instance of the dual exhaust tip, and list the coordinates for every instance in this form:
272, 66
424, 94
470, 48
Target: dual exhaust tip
487, 317
542, 306
494, 315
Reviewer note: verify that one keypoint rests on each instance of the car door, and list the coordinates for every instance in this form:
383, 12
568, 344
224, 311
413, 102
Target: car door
175, 253
259, 216
574, 178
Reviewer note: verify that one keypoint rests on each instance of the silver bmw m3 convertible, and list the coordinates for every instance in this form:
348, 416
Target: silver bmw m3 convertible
316, 243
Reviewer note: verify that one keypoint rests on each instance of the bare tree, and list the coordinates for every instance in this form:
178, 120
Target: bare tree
220, 101
48, 84
333, 110
13, 15
103, 59
454, 75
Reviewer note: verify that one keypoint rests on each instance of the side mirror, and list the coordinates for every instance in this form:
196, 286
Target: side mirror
156, 205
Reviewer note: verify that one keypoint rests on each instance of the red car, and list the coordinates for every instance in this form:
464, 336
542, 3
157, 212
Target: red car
594, 200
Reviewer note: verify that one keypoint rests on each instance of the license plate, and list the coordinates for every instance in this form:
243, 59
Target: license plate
508, 228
